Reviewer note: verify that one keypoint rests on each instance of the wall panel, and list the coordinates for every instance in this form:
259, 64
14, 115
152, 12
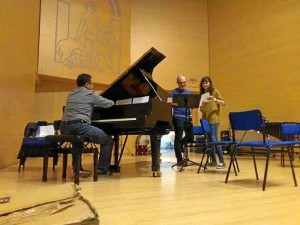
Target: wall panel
90, 36
176, 28
254, 53
18, 62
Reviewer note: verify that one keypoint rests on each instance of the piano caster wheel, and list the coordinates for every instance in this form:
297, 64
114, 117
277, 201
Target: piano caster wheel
156, 174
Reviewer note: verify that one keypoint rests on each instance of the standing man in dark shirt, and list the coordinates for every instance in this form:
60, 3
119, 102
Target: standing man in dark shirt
77, 119
179, 119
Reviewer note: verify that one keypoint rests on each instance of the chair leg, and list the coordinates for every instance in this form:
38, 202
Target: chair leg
266, 170
207, 153
65, 163
255, 166
234, 167
292, 166
282, 157
45, 165
201, 163
95, 150
76, 154
22, 163
208, 156
234, 162
237, 164
292, 153
232, 155
228, 171
55, 160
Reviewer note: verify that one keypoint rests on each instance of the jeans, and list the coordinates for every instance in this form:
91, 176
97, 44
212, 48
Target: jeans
214, 137
105, 141
179, 128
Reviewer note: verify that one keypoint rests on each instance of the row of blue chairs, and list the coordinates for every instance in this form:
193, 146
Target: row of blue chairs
251, 120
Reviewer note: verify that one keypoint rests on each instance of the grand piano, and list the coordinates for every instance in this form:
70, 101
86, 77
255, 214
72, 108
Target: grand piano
141, 108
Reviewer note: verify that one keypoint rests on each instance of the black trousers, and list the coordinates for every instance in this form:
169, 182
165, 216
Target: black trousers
180, 126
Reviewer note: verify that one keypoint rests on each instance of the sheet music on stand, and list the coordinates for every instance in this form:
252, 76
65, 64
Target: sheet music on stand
182, 101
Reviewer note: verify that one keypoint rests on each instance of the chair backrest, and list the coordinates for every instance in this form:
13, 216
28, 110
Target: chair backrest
205, 126
32, 128
246, 121
289, 130
206, 129
56, 125
197, 130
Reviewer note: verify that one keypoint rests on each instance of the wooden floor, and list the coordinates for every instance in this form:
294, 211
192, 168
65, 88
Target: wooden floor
134, 197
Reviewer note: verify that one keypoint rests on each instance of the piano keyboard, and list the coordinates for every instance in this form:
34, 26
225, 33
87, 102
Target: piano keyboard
113, 120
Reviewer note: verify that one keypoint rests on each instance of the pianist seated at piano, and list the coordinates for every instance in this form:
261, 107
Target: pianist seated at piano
77, 120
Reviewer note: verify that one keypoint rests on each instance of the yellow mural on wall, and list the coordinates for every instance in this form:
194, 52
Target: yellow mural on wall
83, 36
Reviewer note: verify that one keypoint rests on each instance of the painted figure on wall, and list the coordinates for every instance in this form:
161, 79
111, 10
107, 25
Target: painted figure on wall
93, 46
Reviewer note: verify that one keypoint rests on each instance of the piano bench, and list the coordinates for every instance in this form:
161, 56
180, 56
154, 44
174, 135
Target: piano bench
37, 147
53, 146
75, 145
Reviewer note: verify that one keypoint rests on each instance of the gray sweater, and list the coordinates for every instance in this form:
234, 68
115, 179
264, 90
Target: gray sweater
80, 104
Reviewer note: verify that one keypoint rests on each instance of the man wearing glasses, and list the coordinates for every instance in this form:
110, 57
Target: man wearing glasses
77, 120
179, 119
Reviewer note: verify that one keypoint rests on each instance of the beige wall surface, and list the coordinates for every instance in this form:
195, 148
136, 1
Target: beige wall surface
254, 56
18, 62
176, 28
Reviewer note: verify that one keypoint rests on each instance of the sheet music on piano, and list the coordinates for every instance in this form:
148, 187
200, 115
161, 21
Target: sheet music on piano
126, 101
129, 101
139, 100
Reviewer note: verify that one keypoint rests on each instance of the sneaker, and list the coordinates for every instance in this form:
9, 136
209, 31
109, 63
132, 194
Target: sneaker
103, 172
221, 165
180, 163
83, 173
212, 164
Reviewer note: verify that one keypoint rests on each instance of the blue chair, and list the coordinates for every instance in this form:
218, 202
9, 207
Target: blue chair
252, 120
198, 139
209, 144
290, 133
33, 146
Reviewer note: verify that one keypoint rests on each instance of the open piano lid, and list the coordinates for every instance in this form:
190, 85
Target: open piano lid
136, 81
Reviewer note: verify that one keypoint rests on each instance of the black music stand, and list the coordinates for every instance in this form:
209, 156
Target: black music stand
187, 102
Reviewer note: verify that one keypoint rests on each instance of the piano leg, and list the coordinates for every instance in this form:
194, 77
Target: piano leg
155, 152
116, 167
